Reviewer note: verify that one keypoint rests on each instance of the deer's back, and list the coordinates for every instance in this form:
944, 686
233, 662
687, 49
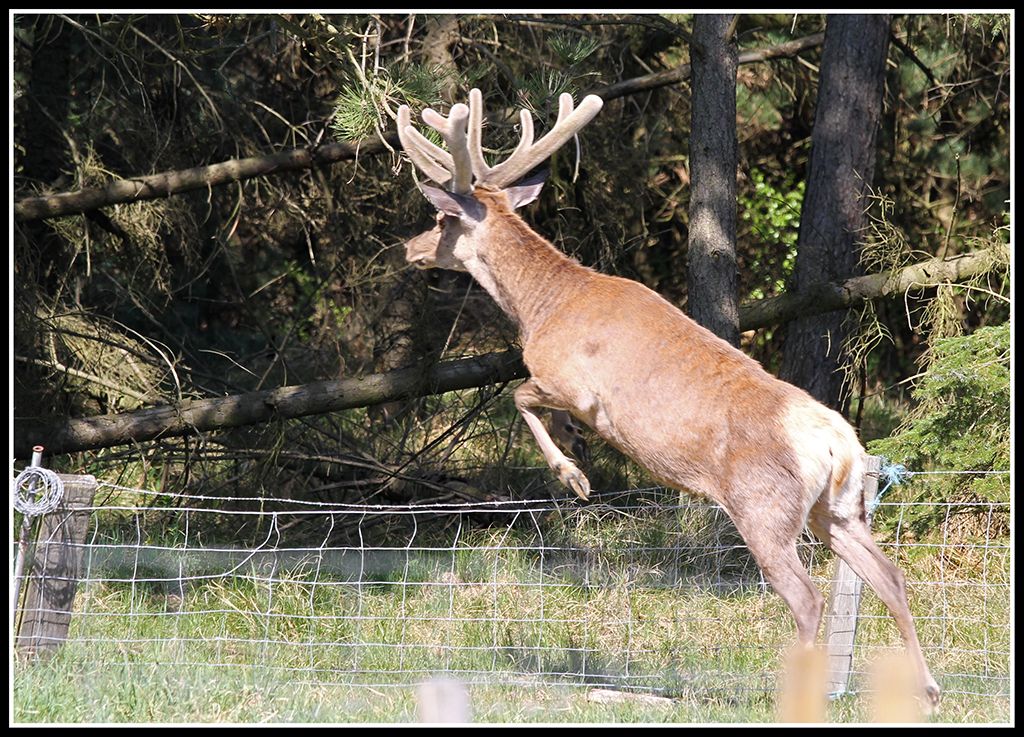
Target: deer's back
693, 410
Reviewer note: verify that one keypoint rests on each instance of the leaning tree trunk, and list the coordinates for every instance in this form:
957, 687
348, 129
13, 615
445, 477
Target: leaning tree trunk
840, 173
712, 298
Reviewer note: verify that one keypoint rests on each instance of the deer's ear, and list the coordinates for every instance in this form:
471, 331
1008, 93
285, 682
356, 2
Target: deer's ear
526, 191
457, 205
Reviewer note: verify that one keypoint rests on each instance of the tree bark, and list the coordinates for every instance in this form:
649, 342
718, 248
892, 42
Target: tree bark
442, 33
840, 173
713, 274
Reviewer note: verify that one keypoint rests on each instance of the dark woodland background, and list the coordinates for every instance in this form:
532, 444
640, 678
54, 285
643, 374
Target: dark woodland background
295, 274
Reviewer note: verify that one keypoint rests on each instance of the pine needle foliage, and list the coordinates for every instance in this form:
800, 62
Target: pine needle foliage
961, 428
357, 113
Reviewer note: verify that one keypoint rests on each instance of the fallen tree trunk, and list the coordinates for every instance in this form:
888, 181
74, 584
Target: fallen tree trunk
820, 298
206, 415
192, 417
157, 186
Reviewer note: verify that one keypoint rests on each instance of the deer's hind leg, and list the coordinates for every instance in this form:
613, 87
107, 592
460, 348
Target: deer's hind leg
773, 545
851, 540
569, 435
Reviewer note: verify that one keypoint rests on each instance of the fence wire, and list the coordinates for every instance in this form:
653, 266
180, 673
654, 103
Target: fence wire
655, 594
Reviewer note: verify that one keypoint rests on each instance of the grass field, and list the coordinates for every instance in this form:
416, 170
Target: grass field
532, 617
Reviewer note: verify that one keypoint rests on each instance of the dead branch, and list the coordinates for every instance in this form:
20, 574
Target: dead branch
170, 183
820, 298
192, 417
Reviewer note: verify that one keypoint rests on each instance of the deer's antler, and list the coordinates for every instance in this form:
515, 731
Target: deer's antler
463, 165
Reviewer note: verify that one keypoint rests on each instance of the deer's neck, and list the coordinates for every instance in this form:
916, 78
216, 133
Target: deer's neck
526, 275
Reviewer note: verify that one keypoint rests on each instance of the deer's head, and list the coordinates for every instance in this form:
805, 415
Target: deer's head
473, 194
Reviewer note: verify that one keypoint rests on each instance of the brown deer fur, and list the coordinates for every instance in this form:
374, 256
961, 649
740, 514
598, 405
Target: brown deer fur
693, 411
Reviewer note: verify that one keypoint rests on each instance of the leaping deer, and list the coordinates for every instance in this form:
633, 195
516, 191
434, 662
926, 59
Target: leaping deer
692, 410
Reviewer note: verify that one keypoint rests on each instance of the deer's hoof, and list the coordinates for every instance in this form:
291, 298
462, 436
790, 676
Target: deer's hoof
572, 477
930, 700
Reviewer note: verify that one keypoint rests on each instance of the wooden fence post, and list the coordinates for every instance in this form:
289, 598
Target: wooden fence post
844, 602
52, 579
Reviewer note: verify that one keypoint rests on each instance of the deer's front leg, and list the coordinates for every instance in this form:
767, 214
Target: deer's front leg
567, 434
527, 396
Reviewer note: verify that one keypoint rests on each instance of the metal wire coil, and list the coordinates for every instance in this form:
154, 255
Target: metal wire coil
38, 498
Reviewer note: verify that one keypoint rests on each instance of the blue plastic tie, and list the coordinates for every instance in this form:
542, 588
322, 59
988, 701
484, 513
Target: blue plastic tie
893, 473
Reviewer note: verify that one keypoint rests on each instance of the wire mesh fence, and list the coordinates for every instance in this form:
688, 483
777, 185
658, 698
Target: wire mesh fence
647, 591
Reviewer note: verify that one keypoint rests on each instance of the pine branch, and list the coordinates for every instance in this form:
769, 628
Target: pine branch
174, 182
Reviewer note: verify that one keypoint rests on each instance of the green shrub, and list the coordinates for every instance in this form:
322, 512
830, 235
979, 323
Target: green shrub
959, 435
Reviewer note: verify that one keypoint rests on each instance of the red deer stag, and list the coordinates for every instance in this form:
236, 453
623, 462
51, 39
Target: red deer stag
693, 411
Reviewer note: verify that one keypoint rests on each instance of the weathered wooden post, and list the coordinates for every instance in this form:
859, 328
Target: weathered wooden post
51, 568
844, 601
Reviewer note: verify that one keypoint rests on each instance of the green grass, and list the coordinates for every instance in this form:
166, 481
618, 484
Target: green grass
311, 643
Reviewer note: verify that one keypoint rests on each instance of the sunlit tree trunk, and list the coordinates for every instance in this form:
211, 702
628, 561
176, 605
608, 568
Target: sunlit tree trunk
712, 271
840, 173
